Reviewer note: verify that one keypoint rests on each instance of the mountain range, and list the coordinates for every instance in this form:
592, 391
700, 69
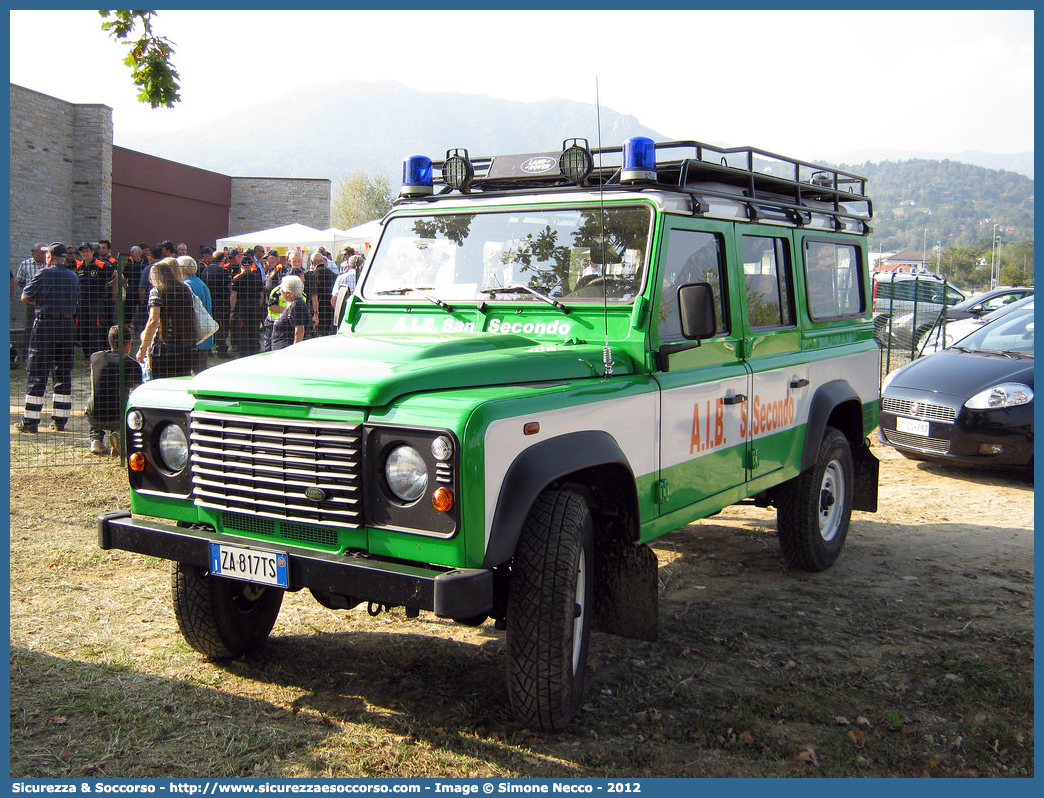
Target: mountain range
330, 131
337, 129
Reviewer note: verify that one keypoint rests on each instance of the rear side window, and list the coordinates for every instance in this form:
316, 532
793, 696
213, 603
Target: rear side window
693, 256
766, 273
833, 281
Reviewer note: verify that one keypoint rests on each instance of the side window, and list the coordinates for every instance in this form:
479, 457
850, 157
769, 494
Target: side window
692, 257
832, 278
953, 296
766, 273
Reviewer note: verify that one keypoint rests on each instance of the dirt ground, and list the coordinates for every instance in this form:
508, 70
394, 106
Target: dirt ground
912, 656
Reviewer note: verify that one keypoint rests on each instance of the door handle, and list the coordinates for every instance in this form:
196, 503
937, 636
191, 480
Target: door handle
798, 383
734, 399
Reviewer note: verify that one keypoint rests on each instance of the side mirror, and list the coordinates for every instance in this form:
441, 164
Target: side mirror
696, 309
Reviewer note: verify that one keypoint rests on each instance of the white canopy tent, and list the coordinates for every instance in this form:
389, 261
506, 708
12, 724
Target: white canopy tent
289, 235
363, 235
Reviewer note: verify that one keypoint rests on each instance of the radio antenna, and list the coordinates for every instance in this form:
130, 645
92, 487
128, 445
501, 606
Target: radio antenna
607, 352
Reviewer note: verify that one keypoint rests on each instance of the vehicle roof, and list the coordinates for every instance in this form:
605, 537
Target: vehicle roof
1001, 289
890, 276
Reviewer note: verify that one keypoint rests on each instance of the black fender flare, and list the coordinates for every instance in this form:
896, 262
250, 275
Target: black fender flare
828, 396
530, 474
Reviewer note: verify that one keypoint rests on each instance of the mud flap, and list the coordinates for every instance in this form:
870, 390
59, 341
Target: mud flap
867, 471
626, 590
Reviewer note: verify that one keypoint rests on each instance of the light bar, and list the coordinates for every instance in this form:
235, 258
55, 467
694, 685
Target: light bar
639, 160
416, 177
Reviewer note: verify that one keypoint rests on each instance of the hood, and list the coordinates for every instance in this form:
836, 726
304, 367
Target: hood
963, 373
373, 370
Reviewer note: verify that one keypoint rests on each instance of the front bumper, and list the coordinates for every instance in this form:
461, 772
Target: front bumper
449, 593
961, 441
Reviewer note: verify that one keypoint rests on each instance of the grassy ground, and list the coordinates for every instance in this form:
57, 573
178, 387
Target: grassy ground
912, 656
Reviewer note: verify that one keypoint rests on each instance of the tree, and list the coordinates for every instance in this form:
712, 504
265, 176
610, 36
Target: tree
361, 199
1017, 263
149, 56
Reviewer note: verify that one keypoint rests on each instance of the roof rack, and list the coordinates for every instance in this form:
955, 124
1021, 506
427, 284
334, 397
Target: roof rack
768, 184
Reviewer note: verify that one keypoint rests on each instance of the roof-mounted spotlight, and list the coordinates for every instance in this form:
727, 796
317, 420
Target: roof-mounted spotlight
576, 161
416, 177
457, 170
822, 179
639, 160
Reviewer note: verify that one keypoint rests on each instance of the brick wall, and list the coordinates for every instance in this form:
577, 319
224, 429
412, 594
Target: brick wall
259, 203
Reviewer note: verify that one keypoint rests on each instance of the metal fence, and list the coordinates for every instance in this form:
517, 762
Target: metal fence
910, 316
62, 436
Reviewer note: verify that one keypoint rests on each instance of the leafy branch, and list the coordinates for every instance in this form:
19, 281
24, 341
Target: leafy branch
149, 56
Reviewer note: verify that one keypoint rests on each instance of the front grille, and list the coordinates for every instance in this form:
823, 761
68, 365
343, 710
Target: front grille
924, 444
925, 410
263, 466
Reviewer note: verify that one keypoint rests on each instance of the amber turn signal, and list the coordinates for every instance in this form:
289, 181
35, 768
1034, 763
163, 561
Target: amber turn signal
442, 500
136, 462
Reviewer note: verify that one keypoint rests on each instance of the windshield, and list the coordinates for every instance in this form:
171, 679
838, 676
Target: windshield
576, 255
1011, 334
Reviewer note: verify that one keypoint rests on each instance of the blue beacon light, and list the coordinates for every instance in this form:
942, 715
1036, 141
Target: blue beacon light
416, 176
639, 160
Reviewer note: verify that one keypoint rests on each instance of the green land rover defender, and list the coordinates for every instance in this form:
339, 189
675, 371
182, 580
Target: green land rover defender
550, 360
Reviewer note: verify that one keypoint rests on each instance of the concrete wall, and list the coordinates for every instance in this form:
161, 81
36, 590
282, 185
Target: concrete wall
155, 199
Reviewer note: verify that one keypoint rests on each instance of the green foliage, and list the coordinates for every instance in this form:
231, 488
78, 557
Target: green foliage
149, 56
361, 199
1017, 263
958, 203
969, 266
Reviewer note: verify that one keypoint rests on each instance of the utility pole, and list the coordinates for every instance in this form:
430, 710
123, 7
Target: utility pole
993, 258
924, 250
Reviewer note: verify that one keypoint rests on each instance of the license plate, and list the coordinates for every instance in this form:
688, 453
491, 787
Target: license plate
912, 426
251, 565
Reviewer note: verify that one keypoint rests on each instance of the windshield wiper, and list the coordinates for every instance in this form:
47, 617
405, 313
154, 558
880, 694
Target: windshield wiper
514, 289
1008, 353
410, 289
406, 289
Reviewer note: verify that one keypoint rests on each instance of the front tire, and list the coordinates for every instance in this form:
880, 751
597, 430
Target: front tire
814, 509
222, 618
549, 611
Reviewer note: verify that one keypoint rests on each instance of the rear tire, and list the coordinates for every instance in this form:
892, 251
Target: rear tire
814, 509
550, 610
222, 618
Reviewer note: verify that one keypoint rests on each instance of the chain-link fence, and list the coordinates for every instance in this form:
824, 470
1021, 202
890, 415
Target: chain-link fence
910, 315
51, 345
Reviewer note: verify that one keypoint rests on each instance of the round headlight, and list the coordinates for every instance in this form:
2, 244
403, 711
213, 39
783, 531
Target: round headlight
406, 473
457, 170
135, 420
173, 447
441, 448
576, 163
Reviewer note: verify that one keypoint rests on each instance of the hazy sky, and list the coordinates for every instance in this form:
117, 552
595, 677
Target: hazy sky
804, 83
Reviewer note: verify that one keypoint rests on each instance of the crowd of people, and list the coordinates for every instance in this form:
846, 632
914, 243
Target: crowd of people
261, 301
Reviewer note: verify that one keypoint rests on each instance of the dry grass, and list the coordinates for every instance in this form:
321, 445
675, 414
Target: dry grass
912, 656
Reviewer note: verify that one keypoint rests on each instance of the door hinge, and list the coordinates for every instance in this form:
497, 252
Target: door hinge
661, 492
753, 460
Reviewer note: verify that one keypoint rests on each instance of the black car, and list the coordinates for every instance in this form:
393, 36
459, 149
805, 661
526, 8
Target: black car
971, 404
988, 301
